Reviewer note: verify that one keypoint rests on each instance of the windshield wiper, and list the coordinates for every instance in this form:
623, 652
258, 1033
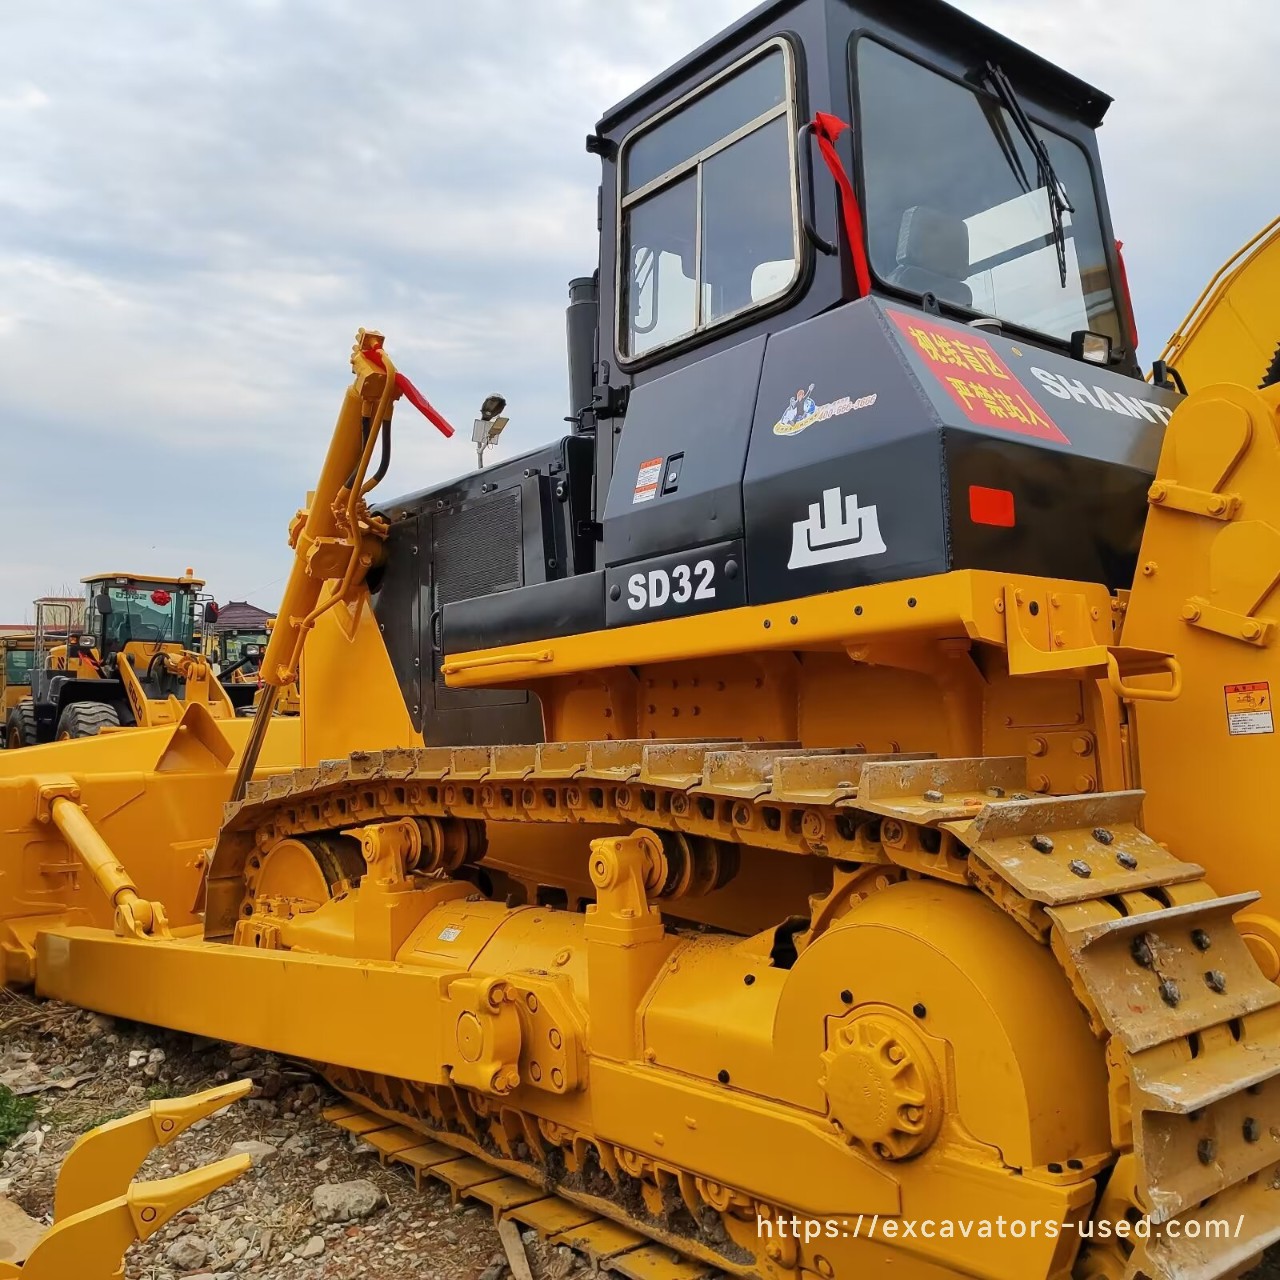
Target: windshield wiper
1045, 175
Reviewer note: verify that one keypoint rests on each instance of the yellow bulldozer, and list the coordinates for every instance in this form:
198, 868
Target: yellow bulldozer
808, 816
130, 662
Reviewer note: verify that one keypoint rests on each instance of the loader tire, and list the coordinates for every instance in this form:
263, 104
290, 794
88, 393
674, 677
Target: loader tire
86, 720
20, 729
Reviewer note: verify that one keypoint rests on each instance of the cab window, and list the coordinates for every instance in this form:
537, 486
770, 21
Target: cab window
956, 207
151, 612
709, 227
17, 666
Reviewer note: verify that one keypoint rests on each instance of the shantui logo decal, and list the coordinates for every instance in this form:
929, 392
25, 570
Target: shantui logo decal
835, 530
803, 411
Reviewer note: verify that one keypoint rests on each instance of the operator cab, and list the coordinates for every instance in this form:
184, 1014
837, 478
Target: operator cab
138, 619
859, 317
974, 164
153, 613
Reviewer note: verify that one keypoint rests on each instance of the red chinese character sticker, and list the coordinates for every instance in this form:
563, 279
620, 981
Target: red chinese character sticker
977, 379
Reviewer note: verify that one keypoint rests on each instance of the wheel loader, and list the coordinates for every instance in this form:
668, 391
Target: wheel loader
131, 663
17, 653
807, 817
237, 653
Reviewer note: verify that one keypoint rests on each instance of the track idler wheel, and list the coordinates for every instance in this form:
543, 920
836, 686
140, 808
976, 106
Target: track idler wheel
304, 869
883, 1087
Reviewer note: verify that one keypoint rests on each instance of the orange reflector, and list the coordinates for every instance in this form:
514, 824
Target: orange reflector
991, 506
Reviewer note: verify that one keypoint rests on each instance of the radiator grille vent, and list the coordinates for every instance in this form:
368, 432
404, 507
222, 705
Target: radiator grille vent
478, 548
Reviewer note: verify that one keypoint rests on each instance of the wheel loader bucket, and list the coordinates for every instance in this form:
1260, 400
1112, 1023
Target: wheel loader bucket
99, 1211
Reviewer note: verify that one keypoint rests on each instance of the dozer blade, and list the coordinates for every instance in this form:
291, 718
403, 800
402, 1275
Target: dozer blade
102, 1164
91, 1244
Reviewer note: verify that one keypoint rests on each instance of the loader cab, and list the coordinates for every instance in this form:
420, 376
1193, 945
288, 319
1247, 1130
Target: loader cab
237, 651
124, 612
17, 652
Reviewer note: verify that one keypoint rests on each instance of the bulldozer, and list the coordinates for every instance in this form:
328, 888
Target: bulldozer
131, 662
805, 818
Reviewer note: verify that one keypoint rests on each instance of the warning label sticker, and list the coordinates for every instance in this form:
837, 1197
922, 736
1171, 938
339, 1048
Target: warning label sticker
450, 933
647, 480
1249, 708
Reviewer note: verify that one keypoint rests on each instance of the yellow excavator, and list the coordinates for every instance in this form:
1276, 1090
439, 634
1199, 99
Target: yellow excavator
807, 818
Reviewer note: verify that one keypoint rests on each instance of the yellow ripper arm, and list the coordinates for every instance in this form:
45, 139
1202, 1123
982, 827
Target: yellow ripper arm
99, 1211
102, 1163
91, 1245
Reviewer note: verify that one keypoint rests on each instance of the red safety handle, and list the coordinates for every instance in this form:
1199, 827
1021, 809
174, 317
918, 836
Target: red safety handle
413, 395
827, 128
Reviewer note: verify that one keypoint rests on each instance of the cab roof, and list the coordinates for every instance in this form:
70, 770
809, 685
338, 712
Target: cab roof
940, 24
187, 580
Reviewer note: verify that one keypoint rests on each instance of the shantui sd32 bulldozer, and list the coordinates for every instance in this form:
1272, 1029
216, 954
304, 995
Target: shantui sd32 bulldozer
810, 813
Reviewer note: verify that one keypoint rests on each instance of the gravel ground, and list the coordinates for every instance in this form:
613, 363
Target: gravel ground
264, 1224
72, 1070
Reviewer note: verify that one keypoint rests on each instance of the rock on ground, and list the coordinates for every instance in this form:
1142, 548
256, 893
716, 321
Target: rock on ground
262, 1226
346, 1201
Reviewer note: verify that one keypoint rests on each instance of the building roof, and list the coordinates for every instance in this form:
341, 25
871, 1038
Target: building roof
240, 615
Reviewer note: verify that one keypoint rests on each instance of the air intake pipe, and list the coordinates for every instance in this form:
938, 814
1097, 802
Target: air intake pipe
581, 322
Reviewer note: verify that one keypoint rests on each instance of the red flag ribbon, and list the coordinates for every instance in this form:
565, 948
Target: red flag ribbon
827, 129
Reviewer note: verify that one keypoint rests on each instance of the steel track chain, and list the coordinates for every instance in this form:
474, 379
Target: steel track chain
1192, 1027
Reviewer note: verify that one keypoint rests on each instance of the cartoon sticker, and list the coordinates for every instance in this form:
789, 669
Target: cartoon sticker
804, 411
1249, 708
977, 379
647, 481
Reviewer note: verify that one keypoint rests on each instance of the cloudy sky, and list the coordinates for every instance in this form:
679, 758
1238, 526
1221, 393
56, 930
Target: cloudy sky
201, 200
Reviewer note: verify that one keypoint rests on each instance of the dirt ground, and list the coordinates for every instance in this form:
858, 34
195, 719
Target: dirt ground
71, 1070
64, 1070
